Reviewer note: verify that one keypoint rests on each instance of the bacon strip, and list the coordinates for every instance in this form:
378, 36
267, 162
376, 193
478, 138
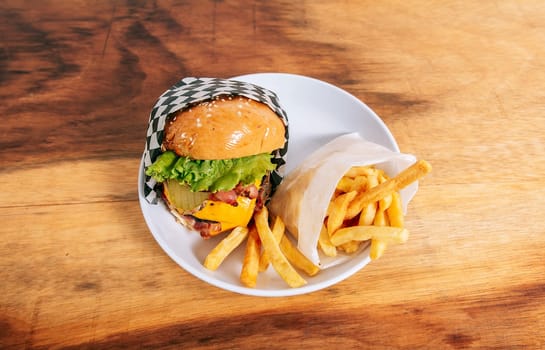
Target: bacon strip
230, 197
207, 229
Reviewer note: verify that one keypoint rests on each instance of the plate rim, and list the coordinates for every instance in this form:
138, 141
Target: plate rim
394, 146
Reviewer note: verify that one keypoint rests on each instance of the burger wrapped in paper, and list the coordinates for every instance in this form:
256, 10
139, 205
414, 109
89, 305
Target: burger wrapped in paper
219, 153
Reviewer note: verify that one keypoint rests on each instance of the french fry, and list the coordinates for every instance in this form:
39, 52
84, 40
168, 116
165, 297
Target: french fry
363, 233
350, 246
359, 183
381, 219
277, 258
377, 249
403, 179
385, 202
356, 171
355, 208
296, 258
395, 211
337, 211
325, 244
225, 247
250, 264
348, 184
277, 231
382, 177
372, 180
345, 184
263, 261
367, 215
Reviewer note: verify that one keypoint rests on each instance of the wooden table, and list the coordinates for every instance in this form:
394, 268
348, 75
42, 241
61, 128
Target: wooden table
459, 84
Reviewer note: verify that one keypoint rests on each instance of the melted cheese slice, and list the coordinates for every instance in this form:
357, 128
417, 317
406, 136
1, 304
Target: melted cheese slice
228, 215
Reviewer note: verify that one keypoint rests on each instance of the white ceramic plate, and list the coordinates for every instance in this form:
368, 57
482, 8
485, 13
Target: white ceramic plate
317, 113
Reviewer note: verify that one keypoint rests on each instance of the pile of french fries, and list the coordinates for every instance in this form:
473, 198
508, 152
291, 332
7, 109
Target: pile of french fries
366, 207
264, 245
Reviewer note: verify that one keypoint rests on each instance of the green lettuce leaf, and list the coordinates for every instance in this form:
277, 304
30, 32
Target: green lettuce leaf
161, 169
210, 175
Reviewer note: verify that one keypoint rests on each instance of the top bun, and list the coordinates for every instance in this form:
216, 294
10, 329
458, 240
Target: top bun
223, 128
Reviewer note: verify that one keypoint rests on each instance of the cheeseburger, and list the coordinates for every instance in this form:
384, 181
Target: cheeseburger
216, 161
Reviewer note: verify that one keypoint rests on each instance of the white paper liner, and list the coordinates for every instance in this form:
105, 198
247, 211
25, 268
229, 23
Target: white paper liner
302, 198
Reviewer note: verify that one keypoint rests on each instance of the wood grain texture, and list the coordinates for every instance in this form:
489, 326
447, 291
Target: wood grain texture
459, 84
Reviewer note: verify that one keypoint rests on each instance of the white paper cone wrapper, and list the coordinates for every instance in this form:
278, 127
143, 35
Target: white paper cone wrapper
302, 198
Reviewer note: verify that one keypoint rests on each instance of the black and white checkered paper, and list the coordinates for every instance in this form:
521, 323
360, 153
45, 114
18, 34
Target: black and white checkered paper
189, 91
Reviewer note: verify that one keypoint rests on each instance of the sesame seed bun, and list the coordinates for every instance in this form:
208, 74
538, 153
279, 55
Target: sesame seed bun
224, 128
